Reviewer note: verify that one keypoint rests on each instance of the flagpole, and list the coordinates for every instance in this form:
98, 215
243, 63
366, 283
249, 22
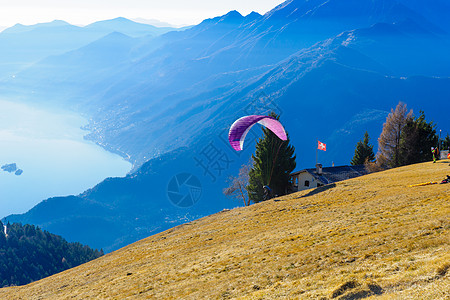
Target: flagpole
317, 152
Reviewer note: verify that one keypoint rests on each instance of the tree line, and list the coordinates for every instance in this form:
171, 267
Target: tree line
405, 139
28, 253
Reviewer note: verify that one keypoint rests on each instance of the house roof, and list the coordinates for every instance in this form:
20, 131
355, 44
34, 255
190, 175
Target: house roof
335, 174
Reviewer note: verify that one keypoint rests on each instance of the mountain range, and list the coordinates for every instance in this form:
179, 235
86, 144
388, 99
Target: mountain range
23, 45
331, 69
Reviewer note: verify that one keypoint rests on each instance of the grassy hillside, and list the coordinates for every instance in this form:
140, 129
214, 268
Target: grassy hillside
372, 236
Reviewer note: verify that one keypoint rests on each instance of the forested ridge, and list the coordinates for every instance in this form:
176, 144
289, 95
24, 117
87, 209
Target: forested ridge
27, 253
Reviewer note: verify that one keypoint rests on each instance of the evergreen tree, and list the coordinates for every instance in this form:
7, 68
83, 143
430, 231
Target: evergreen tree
389, 140
446, 143
363, 152
273, 162
418, 136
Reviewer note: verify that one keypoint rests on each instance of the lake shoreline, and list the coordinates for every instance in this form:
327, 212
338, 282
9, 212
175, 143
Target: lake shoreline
50, 146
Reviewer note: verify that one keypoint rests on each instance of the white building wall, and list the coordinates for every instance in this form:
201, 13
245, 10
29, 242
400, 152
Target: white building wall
304, 181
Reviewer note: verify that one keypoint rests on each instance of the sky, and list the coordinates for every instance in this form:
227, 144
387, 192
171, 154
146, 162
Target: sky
83, 12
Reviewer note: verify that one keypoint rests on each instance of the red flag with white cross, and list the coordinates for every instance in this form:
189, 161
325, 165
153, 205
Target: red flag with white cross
321, 146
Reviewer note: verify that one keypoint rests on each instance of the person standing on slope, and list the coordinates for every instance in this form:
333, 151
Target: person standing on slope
435, 153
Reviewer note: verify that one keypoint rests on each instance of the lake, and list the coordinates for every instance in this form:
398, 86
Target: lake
48, 145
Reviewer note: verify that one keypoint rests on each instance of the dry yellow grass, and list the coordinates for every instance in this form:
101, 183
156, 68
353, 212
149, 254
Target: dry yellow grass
372, 236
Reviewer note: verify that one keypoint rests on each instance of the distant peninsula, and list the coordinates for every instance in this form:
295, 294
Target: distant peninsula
12, 168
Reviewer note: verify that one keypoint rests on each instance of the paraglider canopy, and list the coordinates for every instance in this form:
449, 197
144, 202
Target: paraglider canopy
241, 127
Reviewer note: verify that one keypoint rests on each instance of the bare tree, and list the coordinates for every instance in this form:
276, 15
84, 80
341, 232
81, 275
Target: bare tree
237, 185
372, 166
389, 140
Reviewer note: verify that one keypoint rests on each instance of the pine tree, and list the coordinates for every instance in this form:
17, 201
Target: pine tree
389, 140
446, 143
363, 152
417, 138
273, 162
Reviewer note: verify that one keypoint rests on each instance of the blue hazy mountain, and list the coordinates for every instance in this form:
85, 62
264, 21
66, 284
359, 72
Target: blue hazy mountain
199, 72
22, 45
403, 48
435, 11
85, 68
126, 27
19, 28
220, 52
332, 70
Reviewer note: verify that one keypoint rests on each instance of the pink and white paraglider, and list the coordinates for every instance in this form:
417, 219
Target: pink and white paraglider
242, 126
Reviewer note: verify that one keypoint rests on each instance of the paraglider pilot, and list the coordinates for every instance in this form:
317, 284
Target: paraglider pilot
267, 192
